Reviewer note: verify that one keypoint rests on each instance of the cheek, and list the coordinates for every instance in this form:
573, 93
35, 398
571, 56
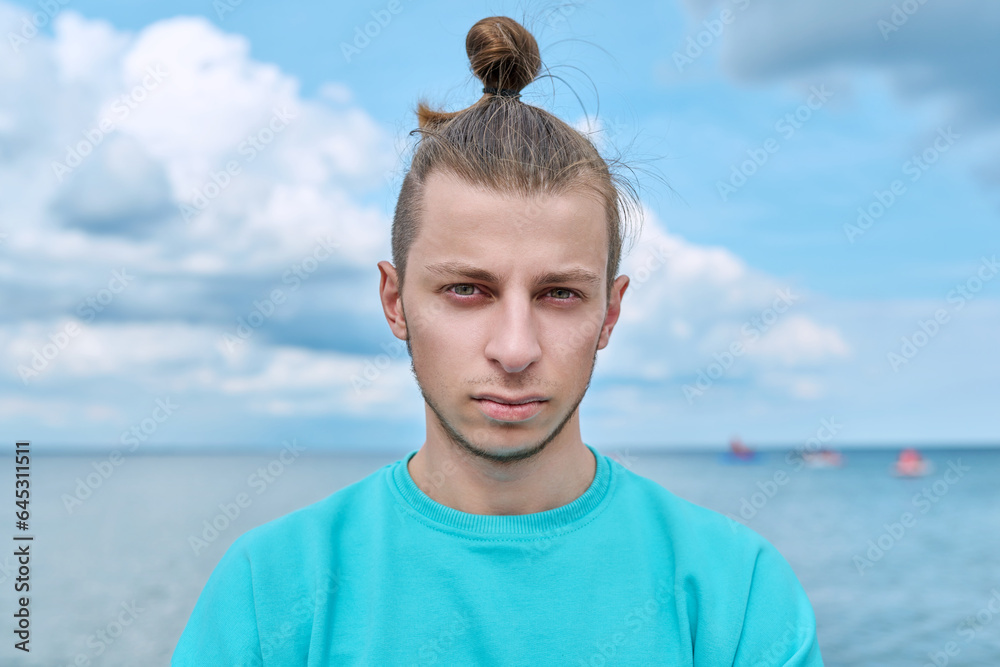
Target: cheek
576, 338
446, 336
422, 317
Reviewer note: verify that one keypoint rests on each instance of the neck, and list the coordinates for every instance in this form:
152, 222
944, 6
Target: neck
555, 476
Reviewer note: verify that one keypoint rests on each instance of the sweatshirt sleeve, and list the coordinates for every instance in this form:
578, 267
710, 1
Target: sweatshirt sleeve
779, 626
222, 628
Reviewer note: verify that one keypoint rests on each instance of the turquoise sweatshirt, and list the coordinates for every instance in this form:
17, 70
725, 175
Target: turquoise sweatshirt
379, 573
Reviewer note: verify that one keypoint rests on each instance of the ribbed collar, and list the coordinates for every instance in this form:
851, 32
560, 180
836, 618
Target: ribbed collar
537, 524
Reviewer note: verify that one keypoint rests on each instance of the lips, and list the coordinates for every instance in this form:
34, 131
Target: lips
496, 398
510, 409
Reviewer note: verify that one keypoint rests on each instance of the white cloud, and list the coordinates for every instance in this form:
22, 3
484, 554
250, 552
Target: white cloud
691, 301
297, 381
163, 334
87, 50
160, 114
797, 340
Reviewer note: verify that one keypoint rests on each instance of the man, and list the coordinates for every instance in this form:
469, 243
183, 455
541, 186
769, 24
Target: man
505, 539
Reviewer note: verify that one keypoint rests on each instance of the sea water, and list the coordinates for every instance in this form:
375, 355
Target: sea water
899, 571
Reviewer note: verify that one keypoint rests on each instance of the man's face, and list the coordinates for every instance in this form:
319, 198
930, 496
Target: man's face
505, 301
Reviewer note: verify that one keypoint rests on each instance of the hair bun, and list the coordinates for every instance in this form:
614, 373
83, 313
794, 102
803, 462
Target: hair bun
502, 53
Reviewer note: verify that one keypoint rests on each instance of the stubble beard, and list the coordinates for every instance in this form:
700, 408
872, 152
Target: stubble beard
510, 457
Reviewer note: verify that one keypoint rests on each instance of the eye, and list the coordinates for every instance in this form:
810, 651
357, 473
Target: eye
464, 289
566, 294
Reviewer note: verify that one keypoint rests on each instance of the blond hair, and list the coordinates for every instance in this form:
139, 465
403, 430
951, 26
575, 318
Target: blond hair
508, 147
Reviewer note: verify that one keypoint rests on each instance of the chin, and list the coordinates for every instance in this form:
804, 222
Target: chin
500, 442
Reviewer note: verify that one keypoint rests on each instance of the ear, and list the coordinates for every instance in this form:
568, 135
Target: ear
392, 300
614, 310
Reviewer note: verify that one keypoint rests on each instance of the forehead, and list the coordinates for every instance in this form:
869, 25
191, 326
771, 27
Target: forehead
508, 233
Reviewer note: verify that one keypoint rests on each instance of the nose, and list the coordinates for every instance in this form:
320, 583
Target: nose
513, 341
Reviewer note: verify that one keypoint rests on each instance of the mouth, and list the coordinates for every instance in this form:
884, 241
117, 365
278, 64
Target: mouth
510, 409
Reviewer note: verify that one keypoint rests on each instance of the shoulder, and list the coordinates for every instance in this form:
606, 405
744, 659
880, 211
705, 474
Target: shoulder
703, 544
736, 582
700, 527
312, 526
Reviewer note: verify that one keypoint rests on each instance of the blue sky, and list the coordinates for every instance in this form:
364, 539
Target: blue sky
757, 130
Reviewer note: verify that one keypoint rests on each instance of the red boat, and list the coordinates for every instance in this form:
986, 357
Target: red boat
911, 464
739, 453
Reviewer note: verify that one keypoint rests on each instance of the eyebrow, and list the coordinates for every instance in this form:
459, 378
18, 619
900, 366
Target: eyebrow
572, 275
